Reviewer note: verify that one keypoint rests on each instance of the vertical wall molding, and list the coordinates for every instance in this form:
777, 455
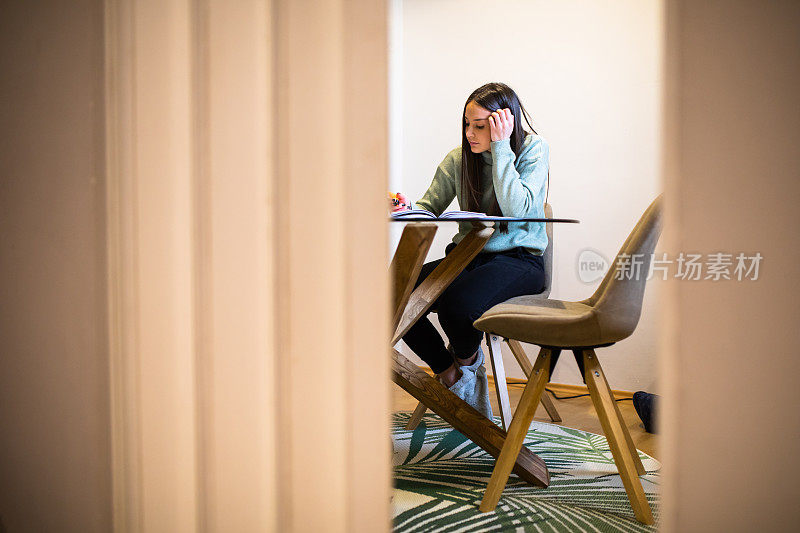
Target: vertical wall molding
202, 256
151, 272
122, 266
236, 131
332, 136
669, 332
236, 254
729, 363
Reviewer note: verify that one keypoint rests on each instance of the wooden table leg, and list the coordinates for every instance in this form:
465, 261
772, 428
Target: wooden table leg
465, 419
410, 252
441, 277
455, 411
407, 263
416, 417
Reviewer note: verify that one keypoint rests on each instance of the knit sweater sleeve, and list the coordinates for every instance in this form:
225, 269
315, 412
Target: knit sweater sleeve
442, 189
519, 187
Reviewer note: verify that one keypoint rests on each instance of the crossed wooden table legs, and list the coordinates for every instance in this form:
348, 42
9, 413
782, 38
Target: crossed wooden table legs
410, 306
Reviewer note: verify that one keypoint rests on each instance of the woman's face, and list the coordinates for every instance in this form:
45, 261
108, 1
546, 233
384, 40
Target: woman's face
476, 128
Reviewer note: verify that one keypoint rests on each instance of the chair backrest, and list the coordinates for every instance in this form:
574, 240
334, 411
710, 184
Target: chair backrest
548, 254
618, 302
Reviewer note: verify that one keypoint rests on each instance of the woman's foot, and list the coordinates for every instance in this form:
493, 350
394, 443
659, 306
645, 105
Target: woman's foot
472, 385
450, 376
453, 374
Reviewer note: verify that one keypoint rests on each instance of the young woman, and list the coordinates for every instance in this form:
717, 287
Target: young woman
499, 169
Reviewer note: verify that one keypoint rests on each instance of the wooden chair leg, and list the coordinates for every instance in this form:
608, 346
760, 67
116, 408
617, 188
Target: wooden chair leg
616, 434
526, 366
416, 416
499, 373
550, 407
629, 441
523, 417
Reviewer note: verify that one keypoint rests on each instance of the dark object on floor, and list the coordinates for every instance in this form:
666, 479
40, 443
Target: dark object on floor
645, 405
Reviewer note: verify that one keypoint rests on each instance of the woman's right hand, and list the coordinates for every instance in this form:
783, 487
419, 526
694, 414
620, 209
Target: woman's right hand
402, 202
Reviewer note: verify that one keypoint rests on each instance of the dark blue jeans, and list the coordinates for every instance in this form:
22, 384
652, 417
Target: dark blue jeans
489, 279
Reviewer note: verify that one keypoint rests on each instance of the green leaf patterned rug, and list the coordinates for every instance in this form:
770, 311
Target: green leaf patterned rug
440, 477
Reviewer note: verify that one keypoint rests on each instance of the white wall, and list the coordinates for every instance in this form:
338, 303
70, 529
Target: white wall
589, 75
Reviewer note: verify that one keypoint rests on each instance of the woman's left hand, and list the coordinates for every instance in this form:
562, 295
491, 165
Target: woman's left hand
501, 124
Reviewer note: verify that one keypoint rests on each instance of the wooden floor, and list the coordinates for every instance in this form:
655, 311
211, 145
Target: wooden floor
576, 413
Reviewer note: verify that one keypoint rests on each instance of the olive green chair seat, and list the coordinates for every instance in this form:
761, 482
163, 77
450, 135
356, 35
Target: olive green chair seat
548, 322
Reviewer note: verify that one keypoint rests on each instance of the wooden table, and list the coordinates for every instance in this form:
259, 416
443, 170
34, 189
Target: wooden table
410, 305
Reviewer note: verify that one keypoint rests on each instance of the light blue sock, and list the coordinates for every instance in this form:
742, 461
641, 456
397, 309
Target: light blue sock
473, 386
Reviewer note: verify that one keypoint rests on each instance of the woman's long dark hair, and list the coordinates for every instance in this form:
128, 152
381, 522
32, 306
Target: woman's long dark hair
492, 97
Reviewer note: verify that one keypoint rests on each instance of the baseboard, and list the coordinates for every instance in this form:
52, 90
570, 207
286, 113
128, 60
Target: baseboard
560, 389
565, 389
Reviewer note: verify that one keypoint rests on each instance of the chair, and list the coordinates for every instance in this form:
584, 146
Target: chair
608, 316
495, 354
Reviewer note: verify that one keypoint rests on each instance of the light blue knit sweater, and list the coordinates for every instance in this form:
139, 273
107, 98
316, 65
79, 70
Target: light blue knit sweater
519, 183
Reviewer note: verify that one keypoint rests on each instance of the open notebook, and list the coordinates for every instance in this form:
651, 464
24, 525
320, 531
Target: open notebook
448, 215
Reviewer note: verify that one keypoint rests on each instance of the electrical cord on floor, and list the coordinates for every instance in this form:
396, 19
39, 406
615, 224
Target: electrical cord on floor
580, 396
557, 397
